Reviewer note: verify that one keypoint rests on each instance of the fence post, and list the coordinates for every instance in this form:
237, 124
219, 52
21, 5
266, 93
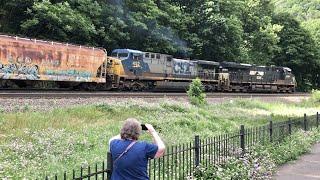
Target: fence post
305, 122
109, 165
242, 142
289, 126
317, 119
197, 150
270, 131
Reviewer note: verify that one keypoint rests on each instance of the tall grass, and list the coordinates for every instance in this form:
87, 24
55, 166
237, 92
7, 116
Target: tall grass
33, 144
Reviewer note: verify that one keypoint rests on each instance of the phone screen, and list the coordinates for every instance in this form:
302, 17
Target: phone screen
144, 127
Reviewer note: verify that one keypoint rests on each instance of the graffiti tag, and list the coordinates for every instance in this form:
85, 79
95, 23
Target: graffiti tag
19, 71
182, 67
69, 73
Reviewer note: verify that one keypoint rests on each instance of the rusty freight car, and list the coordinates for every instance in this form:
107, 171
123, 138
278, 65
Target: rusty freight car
30, 62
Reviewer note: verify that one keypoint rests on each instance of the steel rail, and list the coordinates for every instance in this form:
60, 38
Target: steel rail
83, 94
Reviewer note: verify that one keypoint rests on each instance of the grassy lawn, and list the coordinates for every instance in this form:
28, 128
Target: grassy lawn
34, 144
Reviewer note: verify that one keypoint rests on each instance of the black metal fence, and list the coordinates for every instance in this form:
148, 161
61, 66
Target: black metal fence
180, 161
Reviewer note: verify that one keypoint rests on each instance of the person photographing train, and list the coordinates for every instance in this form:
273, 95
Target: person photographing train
130, 156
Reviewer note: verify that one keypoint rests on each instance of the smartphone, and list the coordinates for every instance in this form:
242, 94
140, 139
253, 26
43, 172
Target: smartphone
144, 127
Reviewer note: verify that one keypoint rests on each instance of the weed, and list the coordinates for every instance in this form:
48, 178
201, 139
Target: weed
261, 161
196, 93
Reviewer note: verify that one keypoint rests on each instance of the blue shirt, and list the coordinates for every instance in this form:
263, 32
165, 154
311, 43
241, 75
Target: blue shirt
133, 164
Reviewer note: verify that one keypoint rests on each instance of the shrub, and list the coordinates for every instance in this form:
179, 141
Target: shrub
196, 93
263, 159
314, 99
315, 96
254, 165
293, 146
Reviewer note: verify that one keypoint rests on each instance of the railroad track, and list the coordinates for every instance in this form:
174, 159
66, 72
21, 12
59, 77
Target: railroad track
80, 94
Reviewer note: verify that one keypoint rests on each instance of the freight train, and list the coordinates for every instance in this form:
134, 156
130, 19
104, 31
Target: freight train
31, 63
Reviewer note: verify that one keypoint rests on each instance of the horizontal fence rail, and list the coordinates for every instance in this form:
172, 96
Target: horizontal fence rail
181, 161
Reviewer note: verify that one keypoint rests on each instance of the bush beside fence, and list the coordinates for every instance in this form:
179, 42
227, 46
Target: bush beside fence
180, 161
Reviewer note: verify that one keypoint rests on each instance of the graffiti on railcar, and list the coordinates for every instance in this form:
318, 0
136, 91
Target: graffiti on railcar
19, 68
83, 74
183, 67
50, 62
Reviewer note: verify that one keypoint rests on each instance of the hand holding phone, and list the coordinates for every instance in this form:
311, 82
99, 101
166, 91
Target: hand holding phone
144, 127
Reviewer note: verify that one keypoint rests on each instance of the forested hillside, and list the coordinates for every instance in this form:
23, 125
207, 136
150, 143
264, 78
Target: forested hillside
251, 31
306, 11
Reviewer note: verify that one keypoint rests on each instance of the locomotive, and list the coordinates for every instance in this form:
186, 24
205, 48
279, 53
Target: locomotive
29, 63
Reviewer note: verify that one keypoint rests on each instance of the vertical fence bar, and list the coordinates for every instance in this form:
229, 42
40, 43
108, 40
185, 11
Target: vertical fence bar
81, 172
242, 142
183, 165
214, 150
163, 167
109, 165
159, 168
219, 149
175, 162
104, 169
172, 163
190, 157
305, 122
89, 172
317, 119
96, 169
197, 150
270, 131
154, 168
168, 164
289, 126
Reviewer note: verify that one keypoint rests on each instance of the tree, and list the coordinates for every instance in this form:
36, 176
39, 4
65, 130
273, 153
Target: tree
220, 32
12, 14
61, 22
298, 51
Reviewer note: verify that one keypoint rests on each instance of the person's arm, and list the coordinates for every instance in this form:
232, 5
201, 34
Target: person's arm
157, 140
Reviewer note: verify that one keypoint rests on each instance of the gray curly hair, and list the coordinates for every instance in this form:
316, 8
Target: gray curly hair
131, 129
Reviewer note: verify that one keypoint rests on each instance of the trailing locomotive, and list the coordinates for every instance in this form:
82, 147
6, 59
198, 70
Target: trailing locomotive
28, 63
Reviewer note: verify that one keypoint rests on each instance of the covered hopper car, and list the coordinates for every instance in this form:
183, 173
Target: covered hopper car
35, 63
30, 63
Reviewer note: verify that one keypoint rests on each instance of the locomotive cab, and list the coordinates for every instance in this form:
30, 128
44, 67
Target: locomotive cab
288, 76
131, 60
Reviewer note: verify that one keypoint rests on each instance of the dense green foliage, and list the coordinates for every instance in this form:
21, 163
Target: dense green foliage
196, 93
250, 31
261, 162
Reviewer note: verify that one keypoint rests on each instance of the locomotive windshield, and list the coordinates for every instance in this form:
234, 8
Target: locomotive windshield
120, 55
137, 56
114, 54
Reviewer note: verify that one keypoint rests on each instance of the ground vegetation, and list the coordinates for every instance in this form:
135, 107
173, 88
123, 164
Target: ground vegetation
263, 160
39, 143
